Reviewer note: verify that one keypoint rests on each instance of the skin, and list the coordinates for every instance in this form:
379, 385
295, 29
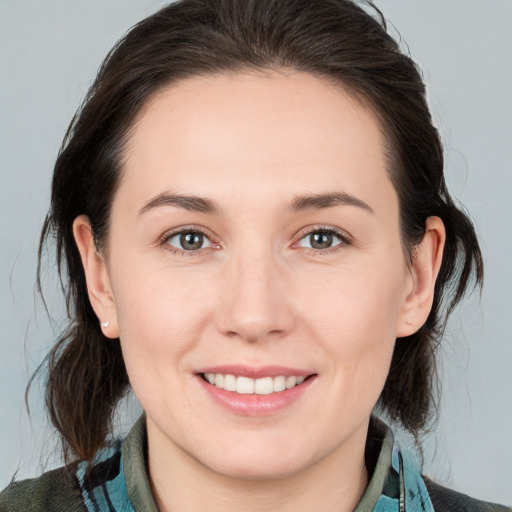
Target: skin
255, 293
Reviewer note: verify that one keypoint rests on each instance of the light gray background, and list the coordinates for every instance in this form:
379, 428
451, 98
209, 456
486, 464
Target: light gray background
49, 53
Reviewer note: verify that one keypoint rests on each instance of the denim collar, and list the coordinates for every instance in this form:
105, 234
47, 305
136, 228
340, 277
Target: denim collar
120, 480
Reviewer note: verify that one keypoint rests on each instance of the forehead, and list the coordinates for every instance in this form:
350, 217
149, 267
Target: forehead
274, 132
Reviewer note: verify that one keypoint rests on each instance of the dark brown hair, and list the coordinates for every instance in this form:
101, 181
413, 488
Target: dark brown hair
335, 39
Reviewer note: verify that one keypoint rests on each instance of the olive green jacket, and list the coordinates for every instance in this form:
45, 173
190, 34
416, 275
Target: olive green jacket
117, 480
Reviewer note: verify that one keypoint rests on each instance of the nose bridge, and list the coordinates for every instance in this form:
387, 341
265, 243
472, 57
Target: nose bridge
254, 306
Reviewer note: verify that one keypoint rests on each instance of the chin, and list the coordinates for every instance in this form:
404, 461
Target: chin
256, 470
266, 459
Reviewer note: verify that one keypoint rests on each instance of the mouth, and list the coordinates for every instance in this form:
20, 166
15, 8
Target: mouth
247, 386
255, 391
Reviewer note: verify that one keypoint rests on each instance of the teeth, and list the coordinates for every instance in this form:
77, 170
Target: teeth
248, 386
245, 386
279, 384
290, 382
219, 380
264, 386
230, 383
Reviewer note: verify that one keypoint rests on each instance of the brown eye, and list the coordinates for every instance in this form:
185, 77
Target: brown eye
321, 239
189, 241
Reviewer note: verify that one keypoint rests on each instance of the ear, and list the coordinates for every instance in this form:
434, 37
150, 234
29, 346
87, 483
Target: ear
97, 277
426, 262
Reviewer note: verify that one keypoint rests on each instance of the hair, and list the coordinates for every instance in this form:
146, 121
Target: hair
334, 39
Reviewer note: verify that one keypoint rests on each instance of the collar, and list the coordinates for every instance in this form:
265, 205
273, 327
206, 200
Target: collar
134, 468
396, 484
121, 480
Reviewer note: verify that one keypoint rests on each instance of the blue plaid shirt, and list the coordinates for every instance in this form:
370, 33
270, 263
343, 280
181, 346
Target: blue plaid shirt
117, 481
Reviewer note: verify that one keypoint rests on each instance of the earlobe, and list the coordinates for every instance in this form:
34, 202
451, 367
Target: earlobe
426, 262
97, 277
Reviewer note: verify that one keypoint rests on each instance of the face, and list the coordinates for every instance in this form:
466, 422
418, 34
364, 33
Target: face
256, 270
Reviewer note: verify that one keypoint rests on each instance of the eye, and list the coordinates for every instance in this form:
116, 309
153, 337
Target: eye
322, 239
189, 241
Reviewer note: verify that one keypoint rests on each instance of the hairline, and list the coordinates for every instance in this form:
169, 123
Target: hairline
389, 145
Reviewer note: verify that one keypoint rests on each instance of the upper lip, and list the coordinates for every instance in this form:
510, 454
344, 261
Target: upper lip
256, 372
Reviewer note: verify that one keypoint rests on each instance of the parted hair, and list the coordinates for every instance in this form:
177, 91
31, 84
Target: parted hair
343, 41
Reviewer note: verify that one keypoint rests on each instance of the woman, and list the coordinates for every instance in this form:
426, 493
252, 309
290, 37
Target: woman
252, 215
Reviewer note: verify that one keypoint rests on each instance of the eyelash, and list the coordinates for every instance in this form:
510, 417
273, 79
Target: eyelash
344, 238
164, 239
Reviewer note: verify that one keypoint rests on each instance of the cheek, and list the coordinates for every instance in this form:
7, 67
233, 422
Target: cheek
160, 318
355, 315
363, 303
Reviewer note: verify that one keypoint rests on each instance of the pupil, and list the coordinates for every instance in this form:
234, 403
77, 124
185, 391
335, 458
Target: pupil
191, 241
321, 240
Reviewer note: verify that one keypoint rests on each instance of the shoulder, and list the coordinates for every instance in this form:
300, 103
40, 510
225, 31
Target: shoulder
447, 500
78, 487
54, 491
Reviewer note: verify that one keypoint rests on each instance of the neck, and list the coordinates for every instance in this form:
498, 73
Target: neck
334, 483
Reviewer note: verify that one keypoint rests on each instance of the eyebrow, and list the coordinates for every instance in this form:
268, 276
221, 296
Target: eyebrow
328, 200
299, 203
191, 203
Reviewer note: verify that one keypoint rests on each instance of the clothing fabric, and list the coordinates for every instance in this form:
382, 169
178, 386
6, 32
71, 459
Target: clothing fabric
117, 481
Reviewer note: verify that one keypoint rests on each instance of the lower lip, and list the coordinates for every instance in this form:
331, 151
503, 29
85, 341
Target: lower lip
255, 405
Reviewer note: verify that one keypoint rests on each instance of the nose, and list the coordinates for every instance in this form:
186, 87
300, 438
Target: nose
254, 303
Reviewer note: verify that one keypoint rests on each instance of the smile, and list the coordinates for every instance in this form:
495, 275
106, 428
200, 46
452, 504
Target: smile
247, 386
